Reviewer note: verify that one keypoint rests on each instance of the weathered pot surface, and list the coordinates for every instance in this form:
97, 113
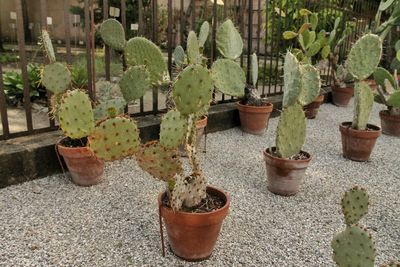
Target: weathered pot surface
285, 175
390, 123
341, 96
254, 119
192, 236
311, 110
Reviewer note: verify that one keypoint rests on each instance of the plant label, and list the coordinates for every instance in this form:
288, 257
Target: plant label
13, 15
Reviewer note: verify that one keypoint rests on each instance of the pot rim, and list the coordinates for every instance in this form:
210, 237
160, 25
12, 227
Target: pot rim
268, 154
372, 128
268, 108
209, 187
59, 145
386, 113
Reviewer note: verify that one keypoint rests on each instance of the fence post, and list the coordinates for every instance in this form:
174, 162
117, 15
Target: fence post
249, 38
67, 31
106, 47
3, 108
88, 49
169, 37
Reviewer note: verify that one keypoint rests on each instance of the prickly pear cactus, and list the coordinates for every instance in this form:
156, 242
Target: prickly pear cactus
188, 191
229, 41
193, 90
172, 129
355, 205
381, 75
134, 83
204, 32
193, 49
103, 90
140, 51
254, 69
56, 77
353, 247
101, 110
228, 77
179, 56
364, 56
160, 162
364, 100
48, 46
76, 114
291, 131
311, 84
115, 138
292, 80
113, 34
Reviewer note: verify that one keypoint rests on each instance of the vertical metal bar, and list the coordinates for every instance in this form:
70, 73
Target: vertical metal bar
193, 14
67, 25
123, 14
182, 23
43, 14
107, 50
88, 49
259, 23
22, 55
141, 21
249, 38
213, 42
277, 51
3, 108
272, 46
93, 50
265, 48
169, 36
155, 39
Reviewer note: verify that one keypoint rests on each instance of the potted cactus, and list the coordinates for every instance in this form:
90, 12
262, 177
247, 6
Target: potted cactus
286, 163
359, 137
389, 95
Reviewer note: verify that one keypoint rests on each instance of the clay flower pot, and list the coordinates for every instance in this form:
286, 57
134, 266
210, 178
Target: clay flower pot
253, 119
85, 168
358, 144
341, 96
311, 110
390, 123
192, 236
285, 175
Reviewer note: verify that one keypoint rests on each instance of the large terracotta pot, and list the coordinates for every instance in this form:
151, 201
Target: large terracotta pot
285, 175
192, 236
358, 144
341, 96
390, 123
311, 110
85, 168
254, 120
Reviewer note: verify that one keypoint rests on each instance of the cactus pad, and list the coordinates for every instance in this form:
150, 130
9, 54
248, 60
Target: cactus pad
380, 75
188, 191
228, 77
48, 46
134, 83
140, 51
204, 32
56, 77
103, 90
113, 34
179, 56
115, 138
101, 110
363, 101
354, 205
353, 247
192, 90
364, 56
311, 84
254, 69
291, 131
229, 41
394, 100
193, 49
173, 129
292, 80
76, 114
160, 162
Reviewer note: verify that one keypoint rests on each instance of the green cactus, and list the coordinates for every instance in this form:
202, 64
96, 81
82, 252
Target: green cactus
193, 49
101, 110
192, 90
363, 102
103, 89
134, 83
48, 46
388, 90
229, 42
76, 114
364, 56
254, 69
140, 51
172, 129
292, 80
179, 56
115, 138
355, 205
113, 34
204, 32
228, 77
310, 83
291, 131
56, 77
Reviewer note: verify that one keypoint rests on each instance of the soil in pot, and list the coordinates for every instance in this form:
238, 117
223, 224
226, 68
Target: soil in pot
193, 234
254, 119
341, 95
390, 123
85, 168
285, 175
311, 110
357, 145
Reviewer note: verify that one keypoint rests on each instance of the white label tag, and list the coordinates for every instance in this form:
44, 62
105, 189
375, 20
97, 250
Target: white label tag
13, 15
49, 21
114, 12
134, 26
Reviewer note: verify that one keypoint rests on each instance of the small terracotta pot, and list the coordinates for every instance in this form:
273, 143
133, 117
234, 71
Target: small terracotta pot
390, 123
192, 236
311, 110
285, 175
358, 144
341, 96
254, 120
85, 168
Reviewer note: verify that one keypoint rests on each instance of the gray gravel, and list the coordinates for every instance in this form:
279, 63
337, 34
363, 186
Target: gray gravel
52, 222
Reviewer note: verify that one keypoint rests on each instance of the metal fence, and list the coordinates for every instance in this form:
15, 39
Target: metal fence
261, 23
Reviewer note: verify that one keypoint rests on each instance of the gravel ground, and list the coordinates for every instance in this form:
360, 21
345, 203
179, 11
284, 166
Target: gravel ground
52, 222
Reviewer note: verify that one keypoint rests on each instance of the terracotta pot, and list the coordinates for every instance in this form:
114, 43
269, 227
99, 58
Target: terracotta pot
311, 110
285, 175
85, 168
358, 144
192, 236
390, 123
254, 120
341, 96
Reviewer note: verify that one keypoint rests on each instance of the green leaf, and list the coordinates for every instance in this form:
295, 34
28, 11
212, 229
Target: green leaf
312, 38
325, 51
394, 100
288, 35
398, 55
397, 45
314, 49
314, 21
304, 27
305, 12
306, 39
